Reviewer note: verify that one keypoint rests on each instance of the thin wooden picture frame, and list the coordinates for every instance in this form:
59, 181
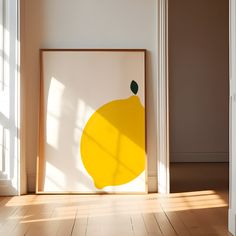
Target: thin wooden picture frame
69, 81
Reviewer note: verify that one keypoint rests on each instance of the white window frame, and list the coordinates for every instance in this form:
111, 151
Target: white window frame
10, 72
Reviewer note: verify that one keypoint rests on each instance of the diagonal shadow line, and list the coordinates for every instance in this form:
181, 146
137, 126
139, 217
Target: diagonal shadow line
5, 122
111, 155
84, 177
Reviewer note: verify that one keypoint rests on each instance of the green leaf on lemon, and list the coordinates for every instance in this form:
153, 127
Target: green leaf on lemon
134, 87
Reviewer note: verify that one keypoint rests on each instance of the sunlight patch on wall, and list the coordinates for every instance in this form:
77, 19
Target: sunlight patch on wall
53, 177
54, 106
83, 113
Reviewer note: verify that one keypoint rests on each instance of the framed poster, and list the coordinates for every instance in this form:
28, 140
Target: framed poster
92, 121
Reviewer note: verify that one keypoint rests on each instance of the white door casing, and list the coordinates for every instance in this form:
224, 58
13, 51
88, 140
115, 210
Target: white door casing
162, 102
232, 117
163, 128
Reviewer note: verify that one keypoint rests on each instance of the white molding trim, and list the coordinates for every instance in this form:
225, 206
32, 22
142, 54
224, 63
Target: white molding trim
21, 100
11, 91
162, 99
14, 52
232, 221
232, 117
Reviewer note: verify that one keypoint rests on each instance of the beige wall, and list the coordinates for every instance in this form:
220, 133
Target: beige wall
198, 62
86, 24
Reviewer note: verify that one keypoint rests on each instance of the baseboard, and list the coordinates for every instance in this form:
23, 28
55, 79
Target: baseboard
6, 188
31, 183
232, 221
199, 157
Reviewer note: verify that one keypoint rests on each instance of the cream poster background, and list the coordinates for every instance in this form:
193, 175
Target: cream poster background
75, 84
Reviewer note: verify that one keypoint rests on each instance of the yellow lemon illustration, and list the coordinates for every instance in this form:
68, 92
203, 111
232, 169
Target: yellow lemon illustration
113, 142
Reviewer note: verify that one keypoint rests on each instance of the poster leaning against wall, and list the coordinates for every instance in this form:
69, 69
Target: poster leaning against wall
92, 121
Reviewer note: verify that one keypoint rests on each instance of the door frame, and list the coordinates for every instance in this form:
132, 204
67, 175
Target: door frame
163, 173
163, 107
232, 117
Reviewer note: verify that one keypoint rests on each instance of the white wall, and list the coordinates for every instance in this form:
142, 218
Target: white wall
198, 80
87, 24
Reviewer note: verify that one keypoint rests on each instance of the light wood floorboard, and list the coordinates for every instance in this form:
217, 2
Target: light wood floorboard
193, 212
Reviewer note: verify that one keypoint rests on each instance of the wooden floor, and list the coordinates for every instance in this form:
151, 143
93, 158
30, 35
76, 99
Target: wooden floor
196, 212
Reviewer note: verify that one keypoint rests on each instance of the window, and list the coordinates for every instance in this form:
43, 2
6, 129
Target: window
9, 98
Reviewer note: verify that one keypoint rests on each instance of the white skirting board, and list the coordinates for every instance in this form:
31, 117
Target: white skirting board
31, 180
199, 157
6, 188
232, 221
